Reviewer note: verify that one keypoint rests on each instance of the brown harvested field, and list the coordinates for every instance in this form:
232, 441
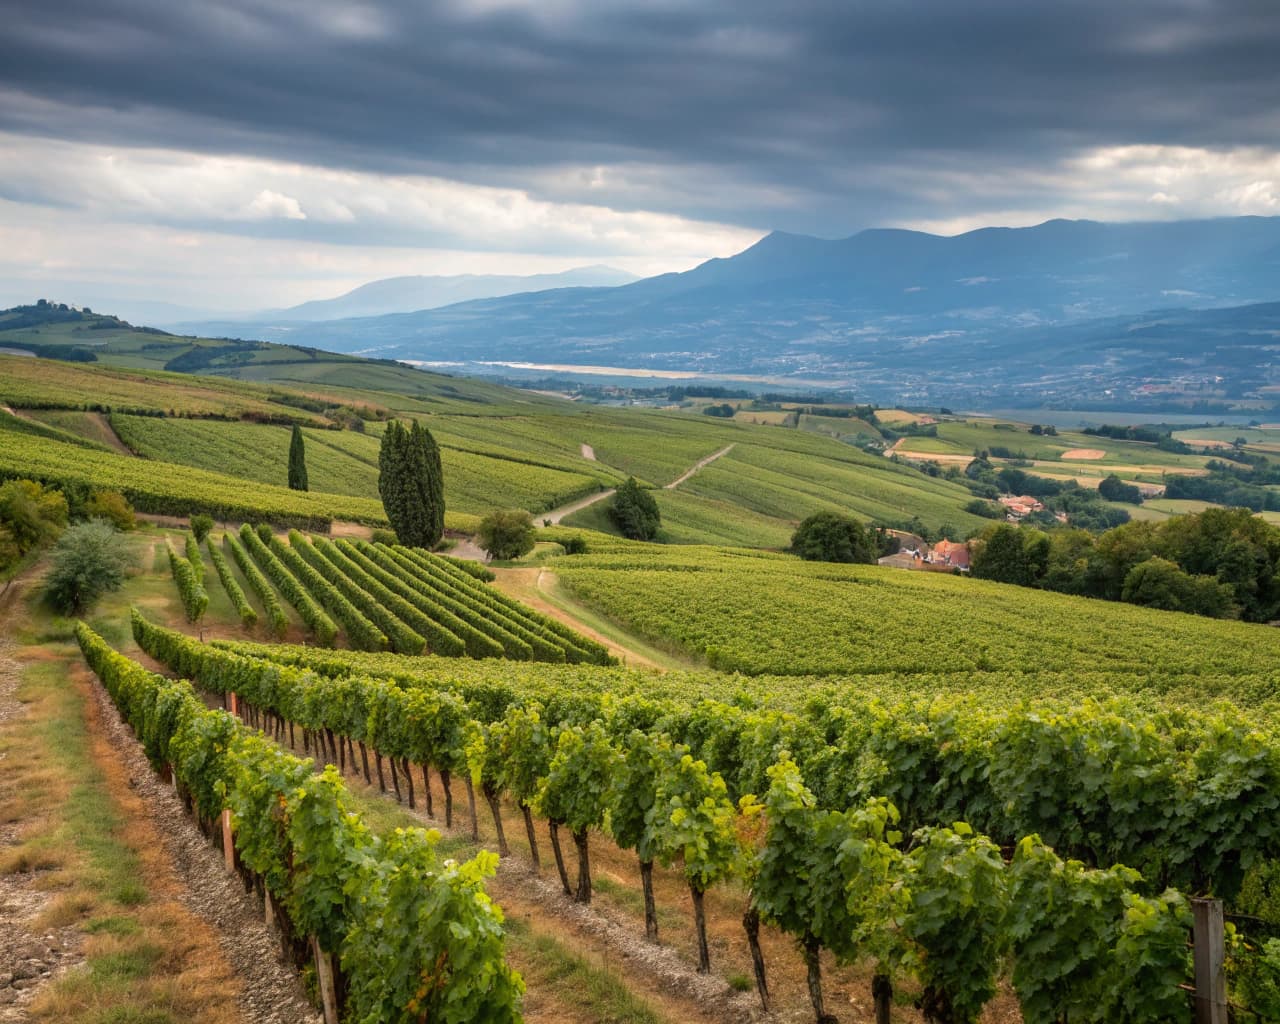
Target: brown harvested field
1088, 454
1204, 442
952, 459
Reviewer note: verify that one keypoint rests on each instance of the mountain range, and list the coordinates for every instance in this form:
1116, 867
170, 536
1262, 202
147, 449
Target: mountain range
408, 294
886, 308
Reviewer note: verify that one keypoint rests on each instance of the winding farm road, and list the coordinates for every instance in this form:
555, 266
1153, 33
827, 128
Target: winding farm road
557, 514
697, 466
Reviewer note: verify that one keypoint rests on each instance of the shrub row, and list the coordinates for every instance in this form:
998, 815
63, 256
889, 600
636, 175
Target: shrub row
279, 621
195, 599
494, 627
193, 556
439, 639
362, 634
577, 649
393, 910
475, 643
518, 641
244, 609
403, 639
294, 592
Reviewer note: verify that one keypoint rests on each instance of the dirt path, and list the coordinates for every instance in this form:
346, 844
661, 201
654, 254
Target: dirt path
557, 514
107, 433
534, 586
697, 466
30, 956
468, 549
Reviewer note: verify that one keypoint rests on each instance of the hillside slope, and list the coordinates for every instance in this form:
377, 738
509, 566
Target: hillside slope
501, 447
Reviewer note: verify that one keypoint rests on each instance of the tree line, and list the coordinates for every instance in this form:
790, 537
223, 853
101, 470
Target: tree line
1223, 563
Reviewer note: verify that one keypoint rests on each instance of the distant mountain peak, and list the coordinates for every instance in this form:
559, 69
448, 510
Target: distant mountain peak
412, 292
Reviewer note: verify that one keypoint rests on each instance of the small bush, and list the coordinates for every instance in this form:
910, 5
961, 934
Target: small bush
89, 560
201, 524
112, 506
387, 537
575, 545
506, 533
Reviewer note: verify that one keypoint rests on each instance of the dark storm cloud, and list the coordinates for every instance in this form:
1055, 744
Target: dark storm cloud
810, 116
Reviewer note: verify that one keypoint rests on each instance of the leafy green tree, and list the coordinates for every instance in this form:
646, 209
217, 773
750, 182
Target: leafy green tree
1114, 489
411, 484
1009, 554
693, 823
30, 515
575, 793
506, 533
1158, 583
635, 512
831, 537
89, 560
1117, 551
297, 461
111, 506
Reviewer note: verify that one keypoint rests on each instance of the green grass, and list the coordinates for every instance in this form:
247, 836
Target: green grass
577, 983
1178, 506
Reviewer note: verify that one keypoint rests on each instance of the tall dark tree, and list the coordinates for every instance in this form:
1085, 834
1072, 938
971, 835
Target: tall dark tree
831, 537
297, 461
635, 511
429, 454
411, 484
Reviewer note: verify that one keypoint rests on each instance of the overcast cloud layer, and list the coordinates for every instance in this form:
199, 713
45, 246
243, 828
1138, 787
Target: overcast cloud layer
262, 152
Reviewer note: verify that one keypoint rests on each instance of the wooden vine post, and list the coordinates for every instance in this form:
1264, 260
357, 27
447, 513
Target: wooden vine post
1210, 959
324, 978
228, 845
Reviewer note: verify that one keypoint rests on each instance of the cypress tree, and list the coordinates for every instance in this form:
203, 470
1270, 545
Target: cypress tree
297, 461
411, 484
424, 443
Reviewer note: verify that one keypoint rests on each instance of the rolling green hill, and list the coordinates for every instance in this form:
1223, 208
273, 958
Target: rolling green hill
224, 408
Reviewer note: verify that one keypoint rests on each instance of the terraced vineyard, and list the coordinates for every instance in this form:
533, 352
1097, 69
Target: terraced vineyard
50, 384
781, 616
345, 462
169, 488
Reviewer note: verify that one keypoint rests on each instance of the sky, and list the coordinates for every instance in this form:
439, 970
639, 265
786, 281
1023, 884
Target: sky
247, 154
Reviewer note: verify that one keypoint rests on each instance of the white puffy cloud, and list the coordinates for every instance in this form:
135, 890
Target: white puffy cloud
267, 205
1116, 183
242, 233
